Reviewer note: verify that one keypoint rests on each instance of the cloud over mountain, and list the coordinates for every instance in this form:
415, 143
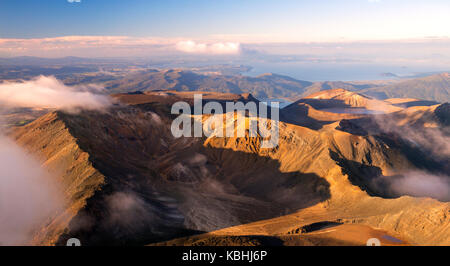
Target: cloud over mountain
28, 194
48, 92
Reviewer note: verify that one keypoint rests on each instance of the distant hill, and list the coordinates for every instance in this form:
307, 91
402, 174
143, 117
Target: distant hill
120, 76
433, 88
263, 86
331, 85
340, 98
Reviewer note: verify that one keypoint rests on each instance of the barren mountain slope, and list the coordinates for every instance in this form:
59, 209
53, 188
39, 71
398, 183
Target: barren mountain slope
340, 98
128, 181
51, 141
418, 221
154, 186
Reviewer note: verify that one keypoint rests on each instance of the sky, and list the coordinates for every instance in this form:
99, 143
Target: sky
62, 27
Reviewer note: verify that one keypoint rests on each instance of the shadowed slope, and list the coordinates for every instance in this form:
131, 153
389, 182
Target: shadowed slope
155, 187
148, 186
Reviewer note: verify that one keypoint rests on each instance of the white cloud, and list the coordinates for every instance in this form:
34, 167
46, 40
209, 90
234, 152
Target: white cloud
48, 92
126, 46
74, 1
208, 48
422, 184
28, 194
98, 46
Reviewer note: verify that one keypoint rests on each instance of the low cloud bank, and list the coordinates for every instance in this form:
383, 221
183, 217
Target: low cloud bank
431, 141
28, 195
422, 184
48, 92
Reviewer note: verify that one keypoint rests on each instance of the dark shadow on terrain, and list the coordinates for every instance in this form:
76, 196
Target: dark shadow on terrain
367, 177
324, 103
443, 114
259, 177
416, 103
370, 178
298, 115
142, 202
417, 155
351, 127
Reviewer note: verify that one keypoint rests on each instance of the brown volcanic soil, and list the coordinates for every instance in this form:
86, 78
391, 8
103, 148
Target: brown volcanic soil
128, 181
340, 98
175, 186
49, 138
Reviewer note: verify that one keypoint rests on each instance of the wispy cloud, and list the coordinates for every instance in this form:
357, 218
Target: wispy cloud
28, 194
112, 46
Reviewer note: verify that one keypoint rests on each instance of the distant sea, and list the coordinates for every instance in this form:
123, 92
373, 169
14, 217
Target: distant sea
338, 71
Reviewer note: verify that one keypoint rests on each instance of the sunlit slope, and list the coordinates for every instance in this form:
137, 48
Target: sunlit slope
50, 140
127, 180
419, 221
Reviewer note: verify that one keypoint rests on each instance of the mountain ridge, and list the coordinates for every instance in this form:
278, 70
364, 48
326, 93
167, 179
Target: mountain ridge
187, 186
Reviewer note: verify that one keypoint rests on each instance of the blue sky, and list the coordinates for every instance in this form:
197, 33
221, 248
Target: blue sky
390, 28
284, 20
